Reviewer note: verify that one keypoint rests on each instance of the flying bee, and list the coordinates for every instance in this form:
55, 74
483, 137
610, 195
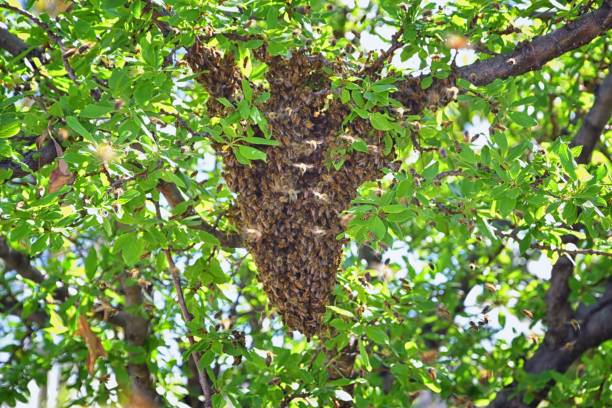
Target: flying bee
320, 196
348, 138
569, 346
486, 310
313, 143
490, 287
528, 313
253, 234
303, 167
443, 312
533, 338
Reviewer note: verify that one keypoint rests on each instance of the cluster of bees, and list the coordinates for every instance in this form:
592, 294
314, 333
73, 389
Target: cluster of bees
414, 99
289, 207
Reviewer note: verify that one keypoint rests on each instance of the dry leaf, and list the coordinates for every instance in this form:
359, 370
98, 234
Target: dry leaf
61, 175
93, 343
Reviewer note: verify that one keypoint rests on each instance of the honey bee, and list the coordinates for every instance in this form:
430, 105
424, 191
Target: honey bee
303, 167
313, 143
569, 346
490, 287
575, 326
432, 374
320, 196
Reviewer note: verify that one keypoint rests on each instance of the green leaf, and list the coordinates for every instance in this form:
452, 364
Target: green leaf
119, 83
91, 263
380, 121
251, 153
247, 91
77, 127
426, 82
393, 208
522, 119
340, 311
404, 188
567, 161
9, 129
96, 111
377, 226
431, 385
131, 247
56, 323
376, 334
363, 354
261, 141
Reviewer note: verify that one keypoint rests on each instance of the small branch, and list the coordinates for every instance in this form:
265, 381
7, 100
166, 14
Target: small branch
52, 36
572, 252
173, 195
438, 177
379, 62
176, 280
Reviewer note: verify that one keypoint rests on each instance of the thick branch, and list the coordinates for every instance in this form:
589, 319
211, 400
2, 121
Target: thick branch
52, 36
33, 160
596, 120
559, 310
594, 327
565, 342
530, 56
19, 262
11, 43
136, 333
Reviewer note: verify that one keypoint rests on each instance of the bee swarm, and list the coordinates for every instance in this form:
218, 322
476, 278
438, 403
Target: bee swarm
290, 206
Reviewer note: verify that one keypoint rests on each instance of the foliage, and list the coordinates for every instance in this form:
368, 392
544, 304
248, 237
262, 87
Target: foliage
466, 216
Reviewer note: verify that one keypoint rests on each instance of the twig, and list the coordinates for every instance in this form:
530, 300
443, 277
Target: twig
176, 280
447, 173
571, 251
52, 36
378, 63
417, 144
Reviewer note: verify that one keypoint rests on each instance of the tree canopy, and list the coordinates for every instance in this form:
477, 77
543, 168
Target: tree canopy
303, 203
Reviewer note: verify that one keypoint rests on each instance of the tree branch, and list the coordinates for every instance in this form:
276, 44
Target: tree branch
569, 334
202, 377
528, 56
11, 43
33, 160
19, 262
532, 55
52, 36
136, 332
596, 328
173, 196
596, 120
